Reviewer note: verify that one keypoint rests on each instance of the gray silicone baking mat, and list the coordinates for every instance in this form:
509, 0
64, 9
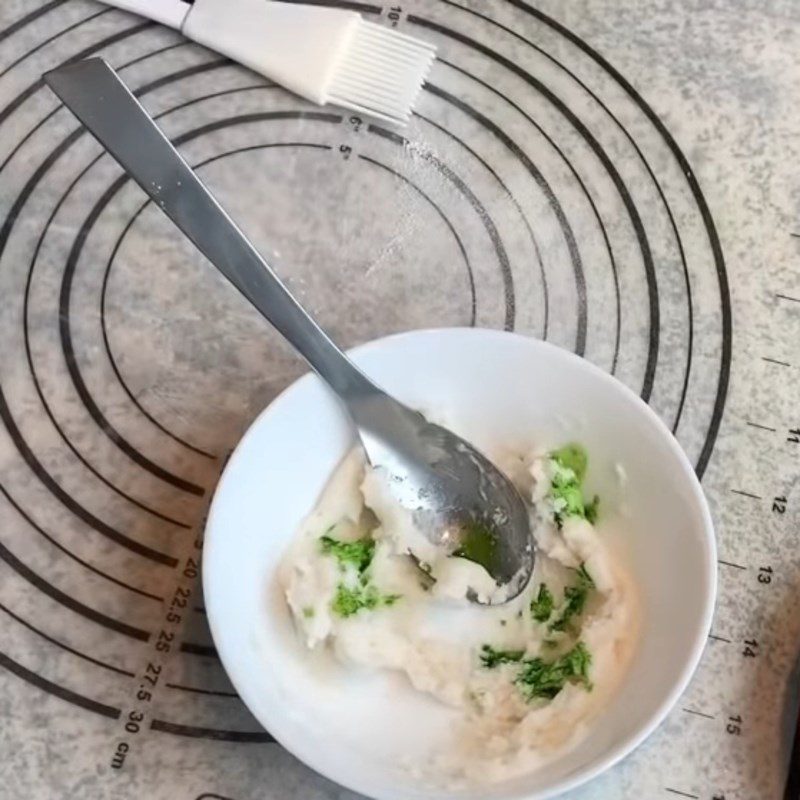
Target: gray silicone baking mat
619, 178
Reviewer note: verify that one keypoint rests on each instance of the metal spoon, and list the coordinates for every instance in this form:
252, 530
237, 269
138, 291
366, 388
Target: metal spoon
457, 497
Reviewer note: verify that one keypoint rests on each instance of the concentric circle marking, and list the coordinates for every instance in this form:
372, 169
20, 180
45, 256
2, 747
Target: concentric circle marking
614, 175
557, 241
708, 222
45, 405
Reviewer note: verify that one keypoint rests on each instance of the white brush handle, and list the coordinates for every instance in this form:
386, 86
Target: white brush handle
297, 46
167, 12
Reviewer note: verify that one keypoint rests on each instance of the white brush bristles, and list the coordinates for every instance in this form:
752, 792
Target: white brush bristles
380, 72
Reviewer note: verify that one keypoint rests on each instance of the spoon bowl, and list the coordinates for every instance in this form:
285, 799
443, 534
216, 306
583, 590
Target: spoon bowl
456, 497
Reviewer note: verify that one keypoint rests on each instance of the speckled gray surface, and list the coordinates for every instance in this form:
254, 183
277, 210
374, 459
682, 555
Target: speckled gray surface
542, 190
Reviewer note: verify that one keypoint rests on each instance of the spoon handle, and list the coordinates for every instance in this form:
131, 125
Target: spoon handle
101, 101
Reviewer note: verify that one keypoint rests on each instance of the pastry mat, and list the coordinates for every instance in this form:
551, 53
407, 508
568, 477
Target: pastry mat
620, 179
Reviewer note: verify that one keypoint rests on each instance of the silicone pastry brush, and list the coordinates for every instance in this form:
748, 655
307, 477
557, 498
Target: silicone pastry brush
326, 55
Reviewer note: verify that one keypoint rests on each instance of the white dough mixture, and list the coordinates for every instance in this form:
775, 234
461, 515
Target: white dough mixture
529, 675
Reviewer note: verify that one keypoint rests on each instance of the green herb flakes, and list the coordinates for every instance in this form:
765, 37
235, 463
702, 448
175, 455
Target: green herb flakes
568, 466
491, 658
584, 578
540, 679
591, 510
542, 604
575, 598
572, 457
537, 678
350, 600
359, 553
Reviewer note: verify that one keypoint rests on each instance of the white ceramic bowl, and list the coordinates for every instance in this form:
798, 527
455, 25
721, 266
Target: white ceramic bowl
507, 390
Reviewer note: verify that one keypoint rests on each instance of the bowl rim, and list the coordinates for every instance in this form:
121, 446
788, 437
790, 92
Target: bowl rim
619, 750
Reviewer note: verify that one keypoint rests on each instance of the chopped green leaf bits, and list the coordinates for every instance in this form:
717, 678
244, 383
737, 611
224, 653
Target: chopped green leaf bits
350, 600
572, 457
358, 553
542, 604
568, 467
491, 658
540, 679
575, 598
537, 678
